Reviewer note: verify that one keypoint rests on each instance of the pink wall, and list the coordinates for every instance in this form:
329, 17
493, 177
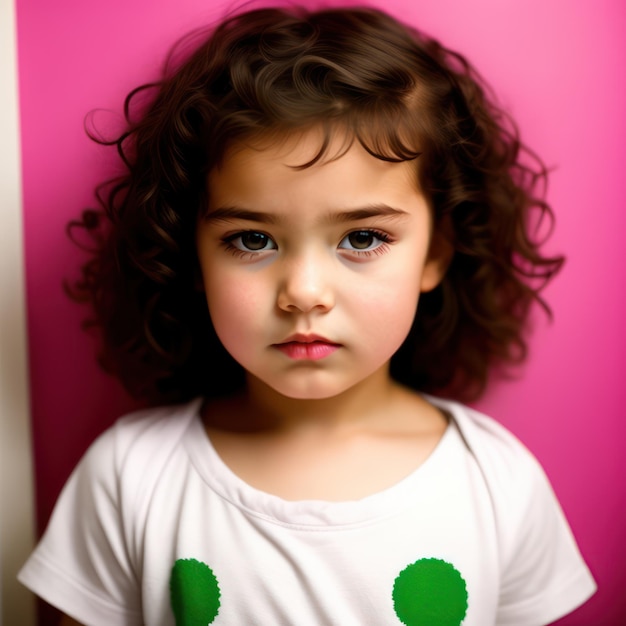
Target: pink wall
557, 65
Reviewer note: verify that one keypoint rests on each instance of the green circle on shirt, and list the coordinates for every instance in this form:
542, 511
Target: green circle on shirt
430, 592
194, 593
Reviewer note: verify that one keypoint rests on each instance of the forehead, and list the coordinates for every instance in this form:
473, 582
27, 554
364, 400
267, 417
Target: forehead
277, 165
268, 175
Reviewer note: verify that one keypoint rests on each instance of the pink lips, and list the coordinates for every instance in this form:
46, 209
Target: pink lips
307, 347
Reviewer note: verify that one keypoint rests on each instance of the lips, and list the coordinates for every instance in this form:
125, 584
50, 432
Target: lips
307, 347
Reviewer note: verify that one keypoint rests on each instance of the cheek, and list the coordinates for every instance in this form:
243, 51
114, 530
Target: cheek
234, 305
395, 316
395, 292
387, 308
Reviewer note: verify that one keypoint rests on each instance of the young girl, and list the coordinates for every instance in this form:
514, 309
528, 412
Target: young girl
311, 176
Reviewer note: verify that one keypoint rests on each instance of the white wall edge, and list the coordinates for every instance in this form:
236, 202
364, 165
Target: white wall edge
16, 475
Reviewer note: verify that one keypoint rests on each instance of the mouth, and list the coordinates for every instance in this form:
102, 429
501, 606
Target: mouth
307, 347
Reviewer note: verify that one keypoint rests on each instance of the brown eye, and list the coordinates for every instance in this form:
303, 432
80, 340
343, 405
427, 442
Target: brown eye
251, 241
361, 239
254, 241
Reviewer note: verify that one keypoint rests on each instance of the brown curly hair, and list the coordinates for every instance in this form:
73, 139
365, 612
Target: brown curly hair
399, 93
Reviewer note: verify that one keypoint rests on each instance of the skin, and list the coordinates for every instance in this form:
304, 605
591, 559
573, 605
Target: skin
340, 251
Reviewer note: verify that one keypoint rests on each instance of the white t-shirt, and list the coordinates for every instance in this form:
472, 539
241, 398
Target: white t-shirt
152, 528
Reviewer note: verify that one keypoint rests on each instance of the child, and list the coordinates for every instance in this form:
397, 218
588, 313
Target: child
311, 176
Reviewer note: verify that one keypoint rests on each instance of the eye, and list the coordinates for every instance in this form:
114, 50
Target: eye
363, 240
251, 241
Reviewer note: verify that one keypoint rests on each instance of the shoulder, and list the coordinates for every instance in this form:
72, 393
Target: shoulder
88, 559
145, 431
501, 456
543, 574
119, 457
519, 491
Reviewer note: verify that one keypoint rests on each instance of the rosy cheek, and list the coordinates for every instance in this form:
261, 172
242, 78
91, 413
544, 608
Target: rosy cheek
232, 301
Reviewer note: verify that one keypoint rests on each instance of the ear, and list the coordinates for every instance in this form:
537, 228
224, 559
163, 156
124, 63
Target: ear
438, 260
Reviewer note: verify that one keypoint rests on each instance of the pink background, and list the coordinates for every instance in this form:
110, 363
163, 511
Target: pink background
557, 65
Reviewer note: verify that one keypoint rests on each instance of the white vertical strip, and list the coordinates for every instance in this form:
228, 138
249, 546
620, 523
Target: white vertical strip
16, 476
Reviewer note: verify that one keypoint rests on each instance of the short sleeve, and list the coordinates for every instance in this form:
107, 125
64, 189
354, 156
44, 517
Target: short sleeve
82, 565
544, 575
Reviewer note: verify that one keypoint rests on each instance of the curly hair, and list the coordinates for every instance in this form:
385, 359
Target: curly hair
399, 93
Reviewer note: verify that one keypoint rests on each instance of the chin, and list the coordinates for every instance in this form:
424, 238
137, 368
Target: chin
307, 392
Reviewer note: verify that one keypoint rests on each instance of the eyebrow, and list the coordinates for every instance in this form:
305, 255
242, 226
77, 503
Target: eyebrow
227, 213
374, 210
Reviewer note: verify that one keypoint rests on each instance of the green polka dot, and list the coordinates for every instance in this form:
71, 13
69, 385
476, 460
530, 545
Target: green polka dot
194, 593
430, 592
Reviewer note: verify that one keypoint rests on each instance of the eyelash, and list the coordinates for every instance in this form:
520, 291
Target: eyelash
384, 238
239, 252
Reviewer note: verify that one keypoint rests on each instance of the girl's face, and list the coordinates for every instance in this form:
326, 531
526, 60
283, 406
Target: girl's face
313, 276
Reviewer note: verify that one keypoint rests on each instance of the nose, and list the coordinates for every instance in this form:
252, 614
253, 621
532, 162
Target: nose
306, 284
